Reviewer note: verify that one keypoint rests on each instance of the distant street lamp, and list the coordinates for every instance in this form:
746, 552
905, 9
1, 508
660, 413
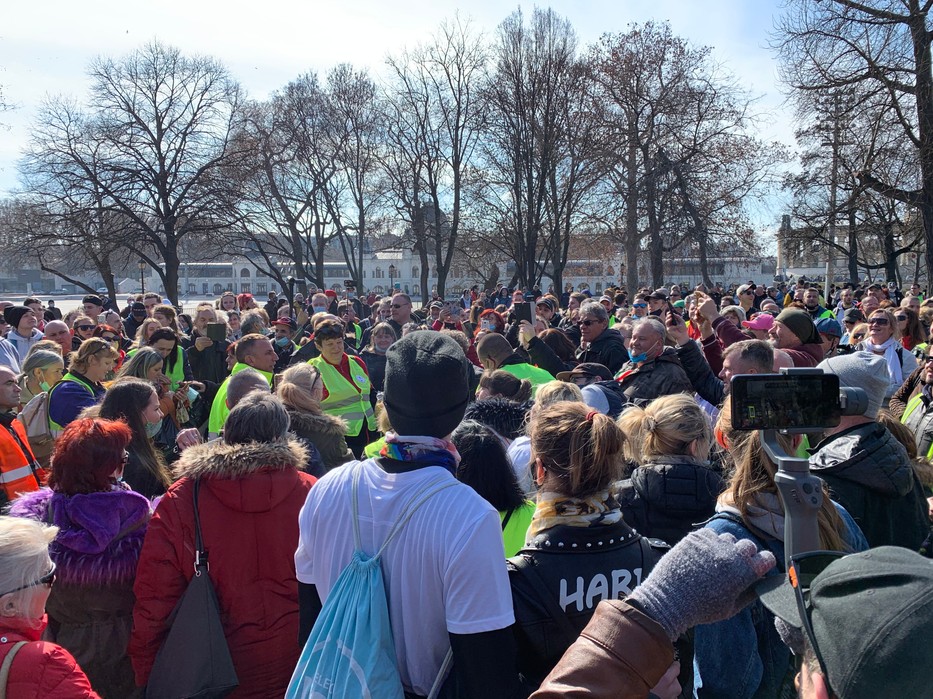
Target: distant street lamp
391, 277
142, 268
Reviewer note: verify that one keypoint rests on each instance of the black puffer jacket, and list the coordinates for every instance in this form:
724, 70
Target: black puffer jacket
665, 498
869, 473
578, 567
608, 349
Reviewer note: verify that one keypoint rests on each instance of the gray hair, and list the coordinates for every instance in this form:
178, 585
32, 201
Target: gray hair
39, 359
258, 417
252, 322
140, 363
244, 382
738, 310
595, 309
24, 557
656, 325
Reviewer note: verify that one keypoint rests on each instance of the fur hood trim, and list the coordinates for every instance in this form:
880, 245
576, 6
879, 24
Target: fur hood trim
304, 423
220, 460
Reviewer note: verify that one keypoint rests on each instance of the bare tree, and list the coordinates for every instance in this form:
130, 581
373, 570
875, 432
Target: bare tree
882, 50
162, 125
433, 123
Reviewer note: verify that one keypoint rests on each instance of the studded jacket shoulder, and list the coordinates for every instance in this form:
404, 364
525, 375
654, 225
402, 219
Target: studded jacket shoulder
579, 567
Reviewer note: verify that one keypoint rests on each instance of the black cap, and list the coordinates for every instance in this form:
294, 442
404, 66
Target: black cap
591, 369
92, 298
871, 614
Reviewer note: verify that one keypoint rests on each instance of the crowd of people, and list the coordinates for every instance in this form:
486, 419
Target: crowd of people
551, 487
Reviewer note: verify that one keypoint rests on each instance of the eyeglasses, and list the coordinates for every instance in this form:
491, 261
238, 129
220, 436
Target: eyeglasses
588, 322
109, 338
747, 293
639, 305
84, 328
802, 571
400, 305
858, 336
47, 579
878, 321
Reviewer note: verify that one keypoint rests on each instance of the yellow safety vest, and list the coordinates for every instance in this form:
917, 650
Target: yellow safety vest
343, 399
912, 405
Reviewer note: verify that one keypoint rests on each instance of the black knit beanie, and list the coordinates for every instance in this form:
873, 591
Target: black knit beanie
427, 384
14, 314
799, 323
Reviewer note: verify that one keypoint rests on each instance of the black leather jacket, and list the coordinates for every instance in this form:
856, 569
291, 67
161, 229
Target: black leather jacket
578, 566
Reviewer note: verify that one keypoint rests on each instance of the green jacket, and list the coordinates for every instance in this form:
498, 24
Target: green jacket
219, 410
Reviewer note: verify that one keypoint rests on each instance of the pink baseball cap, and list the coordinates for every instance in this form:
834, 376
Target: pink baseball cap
762, 321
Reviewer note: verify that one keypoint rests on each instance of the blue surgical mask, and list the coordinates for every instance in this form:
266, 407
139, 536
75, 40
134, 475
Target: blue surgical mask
282, 342
153, 428
639, 358
319, 309
192, 395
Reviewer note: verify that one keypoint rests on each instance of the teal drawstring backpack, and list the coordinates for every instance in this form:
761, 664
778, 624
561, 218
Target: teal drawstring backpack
350, 653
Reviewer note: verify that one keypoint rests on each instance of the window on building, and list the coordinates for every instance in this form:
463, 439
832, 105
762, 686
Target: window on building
261, 288
229, 286
377, 273
244, 272
416, 290
205, 288
244, 288
414, 272
192, 288
218, 289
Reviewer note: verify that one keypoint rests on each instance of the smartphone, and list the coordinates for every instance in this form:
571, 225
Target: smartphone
523, 312
785, 401
102, 319
217, 331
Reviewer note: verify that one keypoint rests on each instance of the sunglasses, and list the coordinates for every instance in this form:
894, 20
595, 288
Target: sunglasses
877, 321
900, 318
588, 322
109, 338
84, 328
47, 579
639, 305
747, 293
402, 305
858, 336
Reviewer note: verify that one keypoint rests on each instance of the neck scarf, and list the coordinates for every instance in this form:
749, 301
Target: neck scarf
890, 356
765, 514
554, 509
421, 451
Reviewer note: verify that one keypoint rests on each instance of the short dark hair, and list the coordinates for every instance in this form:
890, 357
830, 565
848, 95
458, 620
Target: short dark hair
757, 353
244, 346
485, 467
258, 417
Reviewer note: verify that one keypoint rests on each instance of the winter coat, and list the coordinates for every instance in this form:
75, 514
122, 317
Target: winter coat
707, 385
608, 349
622, 652
249, 500
669, 496
325, 432
41, 670
901, 397
210, 364
544, 357
95, 552
661, 376
869, 473
579, 567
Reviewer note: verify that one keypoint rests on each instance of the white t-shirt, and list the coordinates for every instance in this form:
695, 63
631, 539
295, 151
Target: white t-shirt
445, 571
519, 453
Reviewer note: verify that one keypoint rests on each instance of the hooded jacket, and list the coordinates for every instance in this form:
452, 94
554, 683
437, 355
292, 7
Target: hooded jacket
667, 497
249, 501
661, 376
806, 355
325, 432
869, 473
41, 669
95, 552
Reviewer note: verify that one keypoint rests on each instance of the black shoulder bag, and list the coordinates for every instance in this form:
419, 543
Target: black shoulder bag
194, 660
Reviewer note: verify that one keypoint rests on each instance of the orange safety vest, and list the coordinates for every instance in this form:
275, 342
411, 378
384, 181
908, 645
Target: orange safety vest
19, 470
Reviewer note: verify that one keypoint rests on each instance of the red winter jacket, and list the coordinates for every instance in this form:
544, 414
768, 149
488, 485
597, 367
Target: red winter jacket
249, 499
41, 670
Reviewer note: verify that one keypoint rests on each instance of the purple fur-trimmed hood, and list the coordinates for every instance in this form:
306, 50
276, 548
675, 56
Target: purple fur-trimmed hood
100, 534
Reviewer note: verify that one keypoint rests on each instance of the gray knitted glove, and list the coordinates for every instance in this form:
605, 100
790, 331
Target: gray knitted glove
703, 579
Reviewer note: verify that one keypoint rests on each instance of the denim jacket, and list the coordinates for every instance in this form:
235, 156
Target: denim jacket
744, 657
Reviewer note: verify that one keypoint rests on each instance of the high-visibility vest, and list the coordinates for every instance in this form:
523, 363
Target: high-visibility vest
349, 402
219, 409
177, 373
19, 470
54, 426
914, 420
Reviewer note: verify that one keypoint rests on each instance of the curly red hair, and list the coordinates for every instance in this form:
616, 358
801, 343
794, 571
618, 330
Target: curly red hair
497, 320
86, 454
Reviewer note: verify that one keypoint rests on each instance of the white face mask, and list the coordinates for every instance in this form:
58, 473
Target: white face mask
153, 428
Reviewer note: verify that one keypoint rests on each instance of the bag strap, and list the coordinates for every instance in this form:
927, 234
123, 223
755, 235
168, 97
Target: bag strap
505, 520
525, 566
200, 555
441, 675
7, 664
423, 494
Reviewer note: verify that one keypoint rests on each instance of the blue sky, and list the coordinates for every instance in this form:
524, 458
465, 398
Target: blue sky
45, 45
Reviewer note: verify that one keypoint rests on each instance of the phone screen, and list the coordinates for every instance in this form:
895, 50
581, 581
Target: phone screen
779, 401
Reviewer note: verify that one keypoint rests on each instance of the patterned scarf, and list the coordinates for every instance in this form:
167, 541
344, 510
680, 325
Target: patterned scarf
554, 509
421, 451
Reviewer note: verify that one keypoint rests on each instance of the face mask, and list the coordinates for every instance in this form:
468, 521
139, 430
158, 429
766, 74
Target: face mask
282, 342
319, 309
192, 395
153, 428
44, 386
639, 358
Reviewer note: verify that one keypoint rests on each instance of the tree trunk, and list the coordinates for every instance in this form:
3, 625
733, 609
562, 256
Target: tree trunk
852, 256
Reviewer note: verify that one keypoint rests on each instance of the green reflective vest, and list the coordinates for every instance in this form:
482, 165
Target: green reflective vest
55, 428
535, 375
349, 402
177, 374
219, 409
914, 420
